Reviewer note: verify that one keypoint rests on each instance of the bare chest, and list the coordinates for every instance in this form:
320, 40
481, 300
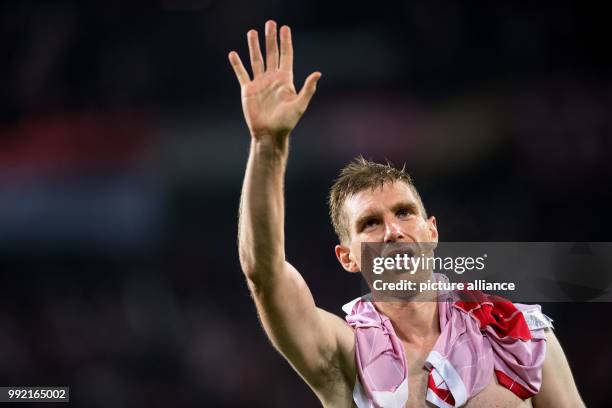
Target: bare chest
494, 395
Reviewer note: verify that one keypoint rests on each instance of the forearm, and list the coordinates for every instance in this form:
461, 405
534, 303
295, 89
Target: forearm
261, 238
272, 108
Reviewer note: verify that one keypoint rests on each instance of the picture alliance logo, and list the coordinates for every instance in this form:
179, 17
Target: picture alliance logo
404, 262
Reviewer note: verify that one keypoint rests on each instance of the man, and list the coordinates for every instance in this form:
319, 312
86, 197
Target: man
369, 203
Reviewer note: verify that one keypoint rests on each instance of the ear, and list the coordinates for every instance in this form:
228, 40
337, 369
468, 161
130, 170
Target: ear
343, 253
433, 228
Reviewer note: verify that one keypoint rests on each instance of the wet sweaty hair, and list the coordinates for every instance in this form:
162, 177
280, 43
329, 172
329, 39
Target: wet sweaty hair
361, 174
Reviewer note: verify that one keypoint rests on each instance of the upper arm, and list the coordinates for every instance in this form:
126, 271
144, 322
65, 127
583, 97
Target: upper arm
558, 387
318, 344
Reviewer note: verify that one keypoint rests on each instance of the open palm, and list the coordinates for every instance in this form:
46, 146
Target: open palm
270, 103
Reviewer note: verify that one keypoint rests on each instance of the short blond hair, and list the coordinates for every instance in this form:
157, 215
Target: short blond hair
358, 175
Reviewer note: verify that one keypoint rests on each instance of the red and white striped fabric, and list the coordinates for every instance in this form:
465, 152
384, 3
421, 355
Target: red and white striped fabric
480, 336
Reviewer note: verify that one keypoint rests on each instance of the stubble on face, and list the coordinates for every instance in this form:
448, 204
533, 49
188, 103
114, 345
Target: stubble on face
389, 212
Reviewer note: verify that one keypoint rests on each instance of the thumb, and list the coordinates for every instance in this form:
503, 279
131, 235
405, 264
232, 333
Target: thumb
308, 89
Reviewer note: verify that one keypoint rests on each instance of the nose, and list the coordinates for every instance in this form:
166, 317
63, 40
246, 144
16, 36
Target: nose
393, 232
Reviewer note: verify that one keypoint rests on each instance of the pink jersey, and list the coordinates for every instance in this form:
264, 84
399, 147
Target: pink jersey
479, 335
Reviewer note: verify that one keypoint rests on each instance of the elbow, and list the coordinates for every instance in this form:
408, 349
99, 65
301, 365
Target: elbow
247, 264
248, 267
259, 271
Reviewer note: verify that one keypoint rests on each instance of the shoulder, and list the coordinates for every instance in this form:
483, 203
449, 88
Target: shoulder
517, 320
558, 387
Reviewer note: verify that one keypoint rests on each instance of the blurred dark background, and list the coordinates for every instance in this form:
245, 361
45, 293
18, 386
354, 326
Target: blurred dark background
122, 149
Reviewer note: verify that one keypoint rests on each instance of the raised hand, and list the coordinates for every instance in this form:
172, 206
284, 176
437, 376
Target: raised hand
270, 103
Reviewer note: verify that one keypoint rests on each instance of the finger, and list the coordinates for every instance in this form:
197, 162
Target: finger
257, 64
271, 46
286, 55
241, 73
309, 88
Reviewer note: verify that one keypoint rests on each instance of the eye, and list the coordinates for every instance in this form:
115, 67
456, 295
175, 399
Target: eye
370, 223
403, 212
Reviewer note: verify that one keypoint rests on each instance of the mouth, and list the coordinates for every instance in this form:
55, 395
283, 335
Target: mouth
398, 249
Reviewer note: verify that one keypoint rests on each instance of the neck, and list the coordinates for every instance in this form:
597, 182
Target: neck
414, 322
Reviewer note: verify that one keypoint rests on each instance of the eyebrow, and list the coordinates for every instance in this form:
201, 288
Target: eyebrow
412, 206
369, 214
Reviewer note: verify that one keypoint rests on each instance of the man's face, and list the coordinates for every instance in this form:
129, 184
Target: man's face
389, 214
